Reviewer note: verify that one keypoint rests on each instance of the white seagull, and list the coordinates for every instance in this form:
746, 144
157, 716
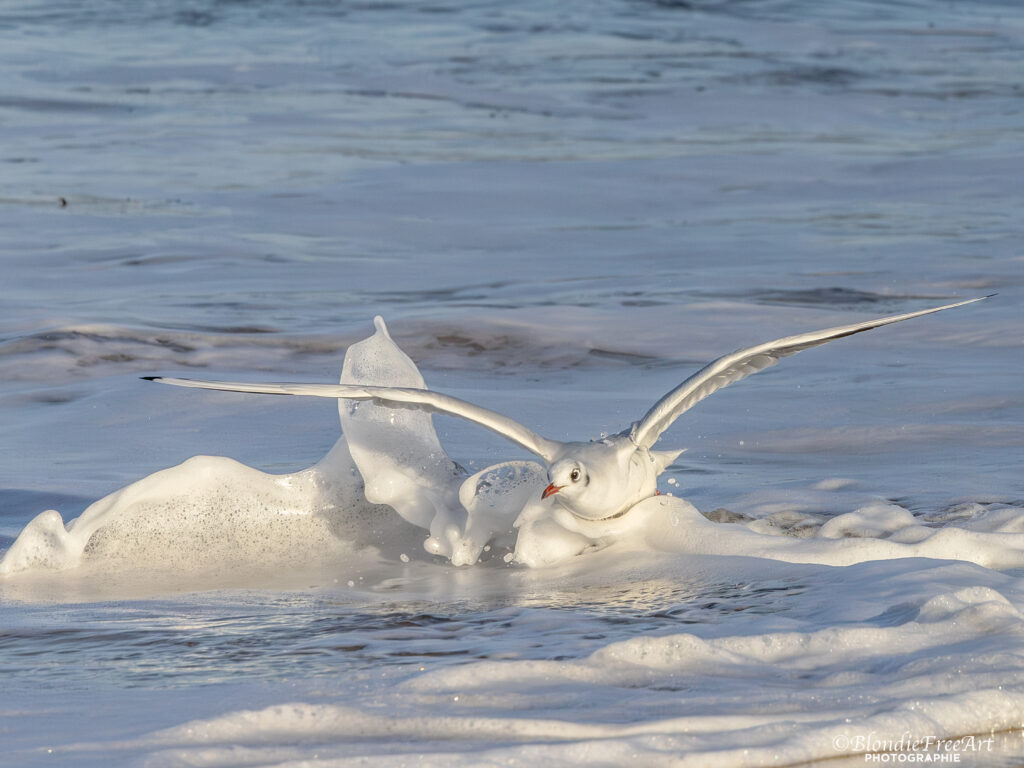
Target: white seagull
594, 480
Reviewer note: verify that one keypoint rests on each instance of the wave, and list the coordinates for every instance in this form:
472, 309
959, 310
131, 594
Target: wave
388, 481
512, 340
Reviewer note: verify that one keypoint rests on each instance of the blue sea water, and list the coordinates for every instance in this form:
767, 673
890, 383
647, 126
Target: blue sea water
562, 211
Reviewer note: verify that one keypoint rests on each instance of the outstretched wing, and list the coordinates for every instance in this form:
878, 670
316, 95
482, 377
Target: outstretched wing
742, 363
392, 397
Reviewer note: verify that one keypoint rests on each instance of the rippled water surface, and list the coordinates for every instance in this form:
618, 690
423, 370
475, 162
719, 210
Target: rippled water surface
562, 211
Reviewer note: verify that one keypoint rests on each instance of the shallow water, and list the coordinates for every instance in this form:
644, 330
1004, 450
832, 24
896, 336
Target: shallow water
561, 214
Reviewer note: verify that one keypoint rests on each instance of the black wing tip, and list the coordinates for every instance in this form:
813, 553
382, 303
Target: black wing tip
150, 378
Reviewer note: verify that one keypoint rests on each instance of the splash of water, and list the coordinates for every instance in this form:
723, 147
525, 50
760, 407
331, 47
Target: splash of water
213, 513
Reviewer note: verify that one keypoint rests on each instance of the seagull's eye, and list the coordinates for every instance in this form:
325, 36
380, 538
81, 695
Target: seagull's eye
574, 475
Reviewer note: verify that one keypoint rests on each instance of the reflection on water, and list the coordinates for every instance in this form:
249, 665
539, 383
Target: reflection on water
233, 637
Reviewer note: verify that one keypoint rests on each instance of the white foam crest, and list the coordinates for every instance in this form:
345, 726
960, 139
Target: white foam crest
397, 451
404, 466
549, 536
213, 512
212, 515
945, 620
840, 683
691, 700
844, 540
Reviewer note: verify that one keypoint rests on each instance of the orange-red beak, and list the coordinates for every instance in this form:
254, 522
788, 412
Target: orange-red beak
551, 490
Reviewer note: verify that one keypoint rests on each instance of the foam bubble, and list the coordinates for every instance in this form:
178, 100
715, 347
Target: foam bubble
711, 700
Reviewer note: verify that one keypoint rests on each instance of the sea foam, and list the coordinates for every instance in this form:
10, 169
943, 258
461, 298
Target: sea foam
388, 477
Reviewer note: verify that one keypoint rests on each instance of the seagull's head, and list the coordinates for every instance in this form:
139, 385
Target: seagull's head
603, 478
592, 480
569, 478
